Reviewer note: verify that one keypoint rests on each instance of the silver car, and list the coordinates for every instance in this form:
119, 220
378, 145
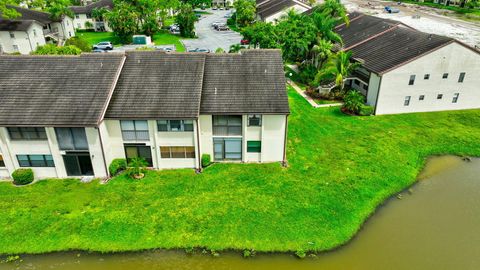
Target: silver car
105, 45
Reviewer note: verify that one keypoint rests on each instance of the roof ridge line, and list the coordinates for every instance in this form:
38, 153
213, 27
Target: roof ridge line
372, 37
110, 93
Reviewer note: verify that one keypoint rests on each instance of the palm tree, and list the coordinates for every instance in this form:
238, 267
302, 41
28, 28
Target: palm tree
334, 9
235, 48
339, 67
320, 52
325, 26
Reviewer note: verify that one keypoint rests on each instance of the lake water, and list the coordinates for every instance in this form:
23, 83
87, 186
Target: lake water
434, 225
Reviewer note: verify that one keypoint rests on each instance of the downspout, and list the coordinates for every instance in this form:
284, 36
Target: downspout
285, 143
29, 41
198, 148
103, 151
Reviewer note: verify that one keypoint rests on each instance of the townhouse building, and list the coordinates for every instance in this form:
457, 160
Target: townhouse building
169, 109
84, 18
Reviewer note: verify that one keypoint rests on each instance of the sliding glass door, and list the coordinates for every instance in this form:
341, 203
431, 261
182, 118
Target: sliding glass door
78, 164
227, 148
137, 150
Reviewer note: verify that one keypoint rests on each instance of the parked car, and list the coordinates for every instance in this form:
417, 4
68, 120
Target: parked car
200, 50
215, 23
222, 27
220, 8
219, 25
214, 8
198, 15
105, 45
392, 9
165, 48
244, 42
227, 8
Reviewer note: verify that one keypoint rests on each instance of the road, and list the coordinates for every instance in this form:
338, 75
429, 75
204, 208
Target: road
431, 20
208, 38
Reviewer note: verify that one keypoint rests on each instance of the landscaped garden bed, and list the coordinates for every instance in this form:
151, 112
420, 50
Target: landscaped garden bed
341, 168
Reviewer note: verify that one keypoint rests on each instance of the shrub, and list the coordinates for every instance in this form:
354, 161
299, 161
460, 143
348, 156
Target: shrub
206, 160
300, 253
80, 43
22, 176
117, 165
353, 101
51, 49
366, 110
88, 25
137, 167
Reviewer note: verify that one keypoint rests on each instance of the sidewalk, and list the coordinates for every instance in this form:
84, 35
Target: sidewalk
308, 98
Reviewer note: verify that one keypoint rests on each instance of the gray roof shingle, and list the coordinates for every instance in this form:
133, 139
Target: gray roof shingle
56, 90
158, 85
250, 82
270, 7
395, 48
15, 25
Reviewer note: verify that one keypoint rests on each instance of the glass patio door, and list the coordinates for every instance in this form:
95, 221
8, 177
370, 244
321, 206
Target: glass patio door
227, 148
143, 151
78, 164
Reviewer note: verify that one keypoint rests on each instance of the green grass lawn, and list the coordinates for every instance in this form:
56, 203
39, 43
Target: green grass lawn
470, 13
340, 169
162, 38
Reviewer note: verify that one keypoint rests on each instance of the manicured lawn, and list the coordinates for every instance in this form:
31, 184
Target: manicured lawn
167, 38
95, 37
340, 169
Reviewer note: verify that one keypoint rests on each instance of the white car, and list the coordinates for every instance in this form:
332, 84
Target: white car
105, 45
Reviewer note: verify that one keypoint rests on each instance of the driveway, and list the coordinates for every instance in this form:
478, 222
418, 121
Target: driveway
209, 38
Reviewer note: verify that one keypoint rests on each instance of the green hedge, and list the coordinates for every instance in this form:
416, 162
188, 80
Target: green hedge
117, 165
366, 110
22, 176
206, 160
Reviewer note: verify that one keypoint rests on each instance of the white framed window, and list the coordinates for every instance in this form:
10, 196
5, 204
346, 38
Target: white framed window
407, 101
175, 125
461, 77
439, 96
255, 120
134, 130
12, 35
445, 76
455, 97
77, 16
426, 76
34, 32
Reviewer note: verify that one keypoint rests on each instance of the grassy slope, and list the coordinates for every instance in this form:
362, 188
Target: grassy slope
163, 38
341, 169
457, 9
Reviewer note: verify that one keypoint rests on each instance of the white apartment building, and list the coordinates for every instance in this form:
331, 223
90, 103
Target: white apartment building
273, 10
83, 16
169, 109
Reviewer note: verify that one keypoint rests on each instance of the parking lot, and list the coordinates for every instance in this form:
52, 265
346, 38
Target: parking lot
209, 38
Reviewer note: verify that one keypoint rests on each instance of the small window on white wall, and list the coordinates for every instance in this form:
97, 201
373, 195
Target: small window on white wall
445, 76
407, 101
12, 35
426, 76
412, 80
455, 97
439, 96
15, 48
461, 77
421, 97
34, 32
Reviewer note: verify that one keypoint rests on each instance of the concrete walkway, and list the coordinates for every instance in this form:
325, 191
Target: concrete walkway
308, 98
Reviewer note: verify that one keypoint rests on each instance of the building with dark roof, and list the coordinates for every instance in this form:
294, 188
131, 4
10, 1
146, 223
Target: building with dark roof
272, 10
72, 115
31, 29
84, 18
404, 70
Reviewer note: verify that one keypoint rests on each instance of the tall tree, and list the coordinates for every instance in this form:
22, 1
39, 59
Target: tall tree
245, 12
325, 26
338, 68
124, 20
261, 34
333, 9
186, 20
320, 52
8, 13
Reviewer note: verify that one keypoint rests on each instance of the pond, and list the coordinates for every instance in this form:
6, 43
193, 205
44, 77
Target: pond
433, 225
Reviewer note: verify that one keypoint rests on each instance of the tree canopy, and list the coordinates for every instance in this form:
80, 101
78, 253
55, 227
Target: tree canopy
186, 20
245, 12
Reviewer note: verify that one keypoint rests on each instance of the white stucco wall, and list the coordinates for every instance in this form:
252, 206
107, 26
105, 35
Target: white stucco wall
96, 152
206, 132
452, 59
27, 41
112, 138
373, 87
273, 137
251, 133
79, 22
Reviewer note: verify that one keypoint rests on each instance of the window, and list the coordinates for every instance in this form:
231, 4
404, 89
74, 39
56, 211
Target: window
71, 138
254, 146
426, 76
439, 96
27, 133
175, 125
70, 34
412, 80
255, 120
15, 48
12, 35
77, 16
407, 101
177, 151
140, 151
35, 161
2, 163
134, 130
34, 32
227, 148
227, 125
445, 76
461, 77
422, 97
455, 97
89, 16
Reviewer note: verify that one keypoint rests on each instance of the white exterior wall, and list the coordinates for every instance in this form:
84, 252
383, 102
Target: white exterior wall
273, 137
96, 152
275, 17
206, 135
112, 140
251, 133
176, 139
27, 41
373, 86
79, 23
452, 59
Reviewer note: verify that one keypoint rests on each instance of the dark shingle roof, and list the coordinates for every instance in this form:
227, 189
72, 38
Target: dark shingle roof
362, 28
395, 48
250, 82
271, 7
14, 25
56, 90
158, 85
30, 14
89, 8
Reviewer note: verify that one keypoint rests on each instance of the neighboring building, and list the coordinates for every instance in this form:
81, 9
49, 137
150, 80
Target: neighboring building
31, 29
84, 111
83, 16
405, 70
273, 10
